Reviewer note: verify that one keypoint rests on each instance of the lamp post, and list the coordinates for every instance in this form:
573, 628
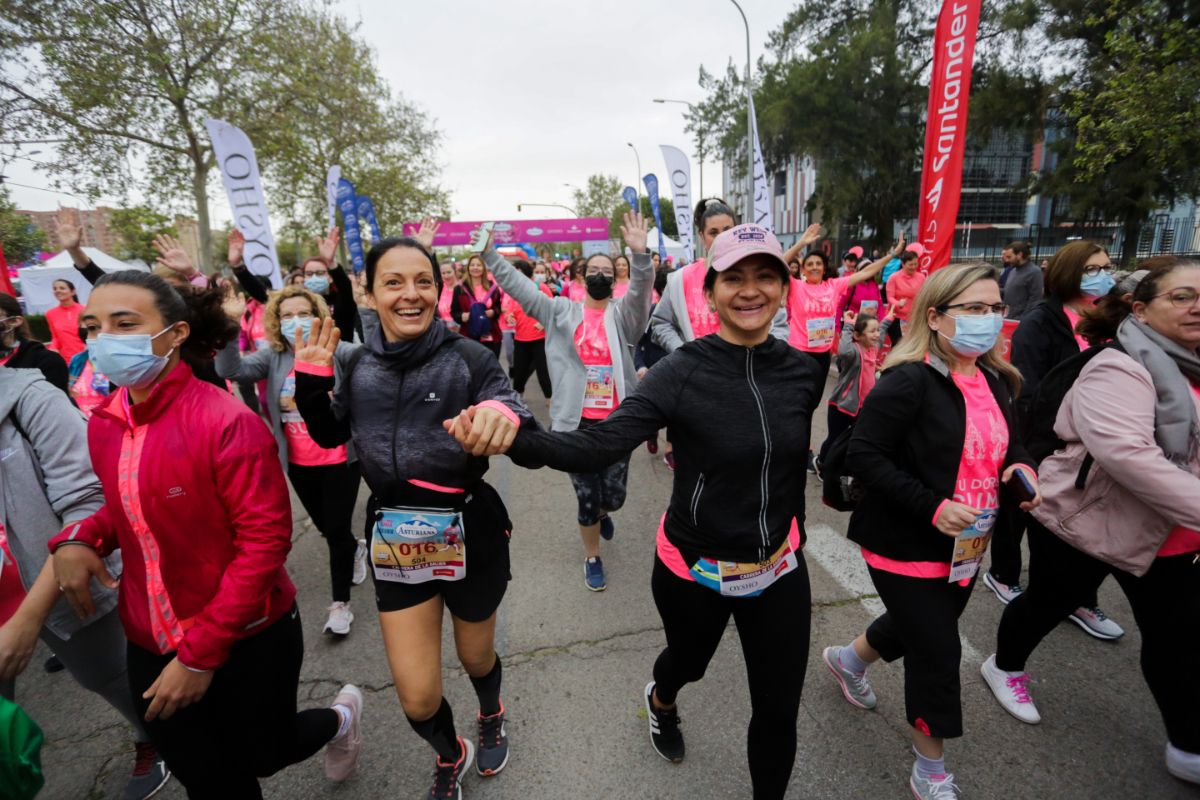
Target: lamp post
699, 152
749, 129
637, 185
548, 205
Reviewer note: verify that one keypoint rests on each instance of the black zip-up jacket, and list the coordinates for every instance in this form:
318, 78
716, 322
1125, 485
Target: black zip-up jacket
393, 401
35, 355
1041, 342
740, 420
906, 448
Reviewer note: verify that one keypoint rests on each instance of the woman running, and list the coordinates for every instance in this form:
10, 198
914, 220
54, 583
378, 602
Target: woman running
589, 350
63, 320
19, 350
477, 305
439, 532
931, 447
196, 501
325, 480
728, 545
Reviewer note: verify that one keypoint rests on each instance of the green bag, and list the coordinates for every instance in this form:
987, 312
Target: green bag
20, 753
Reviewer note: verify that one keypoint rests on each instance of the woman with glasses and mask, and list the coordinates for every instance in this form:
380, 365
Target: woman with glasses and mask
1079, 274
931, 447
325, 479
1123, 499
19, 350
590, 353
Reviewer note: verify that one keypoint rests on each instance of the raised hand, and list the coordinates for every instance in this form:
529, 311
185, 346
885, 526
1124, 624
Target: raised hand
237, 247
427, 232
811, 234
69, 232
900, 244
327, 246
635, 232
172, 255
321, 344
849, 317
475, 234
234, 305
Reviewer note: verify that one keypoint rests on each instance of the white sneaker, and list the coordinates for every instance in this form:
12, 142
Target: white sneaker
1011, 689
939, 787
340, 617
1182, 764
1005, 592
341, 752
360, 563
1096, 623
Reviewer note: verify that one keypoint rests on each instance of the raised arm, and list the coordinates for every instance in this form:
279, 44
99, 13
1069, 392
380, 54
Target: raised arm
315, 383
524, 291
69, 238
811, 234
875, 267
633, 310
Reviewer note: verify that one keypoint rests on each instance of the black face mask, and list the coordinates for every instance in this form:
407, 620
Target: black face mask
599, 286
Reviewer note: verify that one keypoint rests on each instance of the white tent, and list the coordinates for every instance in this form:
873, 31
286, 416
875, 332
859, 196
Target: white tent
37, 282
673, 248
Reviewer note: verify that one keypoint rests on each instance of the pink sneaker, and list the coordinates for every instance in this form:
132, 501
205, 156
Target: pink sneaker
341, 754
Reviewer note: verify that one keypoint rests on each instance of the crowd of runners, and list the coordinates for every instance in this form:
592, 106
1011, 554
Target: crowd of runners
146, 455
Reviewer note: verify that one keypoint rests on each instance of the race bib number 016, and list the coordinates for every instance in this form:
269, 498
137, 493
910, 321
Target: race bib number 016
416, 545
599, 393
737, 579
820, 331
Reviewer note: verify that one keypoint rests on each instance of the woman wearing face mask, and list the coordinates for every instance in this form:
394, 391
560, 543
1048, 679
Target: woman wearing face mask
63, 321
529, 353
857, 363
477, 303
325, 480
1123, 499
729, 543
1079, 274
439, 532
589, 350
196, 501
931, 447
19, 350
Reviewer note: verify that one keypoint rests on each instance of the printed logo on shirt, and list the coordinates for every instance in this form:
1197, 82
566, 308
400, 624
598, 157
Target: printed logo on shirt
433, 398
7, 453
175, 491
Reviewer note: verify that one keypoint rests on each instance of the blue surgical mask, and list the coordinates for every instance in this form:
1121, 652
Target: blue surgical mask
1097, 285
128, 359
975, 335
288, 327
318, 284
539, 277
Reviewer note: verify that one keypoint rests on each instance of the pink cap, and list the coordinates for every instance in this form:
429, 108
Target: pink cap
915, 247
741, 242
856, 251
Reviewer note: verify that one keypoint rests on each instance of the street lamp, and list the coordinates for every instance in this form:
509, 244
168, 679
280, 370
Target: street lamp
548, 205
699, 153
749, 128
637, 186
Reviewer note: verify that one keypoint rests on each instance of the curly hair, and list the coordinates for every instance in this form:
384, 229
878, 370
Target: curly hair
271, 313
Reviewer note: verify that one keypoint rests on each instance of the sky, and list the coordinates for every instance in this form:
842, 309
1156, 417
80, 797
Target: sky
531, 95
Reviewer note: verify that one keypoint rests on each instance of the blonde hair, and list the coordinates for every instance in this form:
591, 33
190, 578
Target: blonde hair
271, 313
938, 290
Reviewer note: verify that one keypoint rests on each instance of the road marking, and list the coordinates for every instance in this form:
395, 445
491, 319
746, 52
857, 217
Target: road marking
842, 559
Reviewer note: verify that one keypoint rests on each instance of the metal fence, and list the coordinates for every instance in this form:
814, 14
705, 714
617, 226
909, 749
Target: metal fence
1161, 236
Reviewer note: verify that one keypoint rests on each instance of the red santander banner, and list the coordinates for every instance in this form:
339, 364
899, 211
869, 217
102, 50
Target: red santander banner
946, 129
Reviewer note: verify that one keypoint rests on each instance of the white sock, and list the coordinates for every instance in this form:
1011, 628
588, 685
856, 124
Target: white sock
346, 714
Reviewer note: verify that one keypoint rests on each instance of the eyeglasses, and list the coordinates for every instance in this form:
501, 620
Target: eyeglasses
975, 309
598, 270
314, 274
1093, 271
1183, 297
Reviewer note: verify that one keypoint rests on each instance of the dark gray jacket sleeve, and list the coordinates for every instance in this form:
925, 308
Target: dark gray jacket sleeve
1024, 290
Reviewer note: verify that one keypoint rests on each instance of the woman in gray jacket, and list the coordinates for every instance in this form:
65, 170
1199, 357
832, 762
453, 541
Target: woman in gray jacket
325, 480
46, 482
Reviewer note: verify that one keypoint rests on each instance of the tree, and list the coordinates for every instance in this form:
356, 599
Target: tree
20, 239
601, 197
137, 226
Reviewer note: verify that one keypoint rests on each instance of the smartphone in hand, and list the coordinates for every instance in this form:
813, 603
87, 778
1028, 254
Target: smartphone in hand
483, 237
1021, 487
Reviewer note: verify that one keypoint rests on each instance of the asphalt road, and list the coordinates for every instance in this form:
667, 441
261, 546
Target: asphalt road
575, 664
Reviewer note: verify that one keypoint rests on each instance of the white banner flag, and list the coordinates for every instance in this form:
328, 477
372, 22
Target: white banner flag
679, 176
331, 184
243, 187
762, 193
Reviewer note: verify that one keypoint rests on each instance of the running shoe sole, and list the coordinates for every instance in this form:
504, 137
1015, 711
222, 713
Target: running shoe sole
650, 716
990, 582
841, 682
1090, 631
166, 779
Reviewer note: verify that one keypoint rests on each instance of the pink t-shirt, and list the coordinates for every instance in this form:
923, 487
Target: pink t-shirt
507, 321
254, 332
302, 450
446, 302
12, 592
1181, 540
600, 389
63, 322
812, 313
575, 293
902, 286
703, 319
673, 559
1074, 318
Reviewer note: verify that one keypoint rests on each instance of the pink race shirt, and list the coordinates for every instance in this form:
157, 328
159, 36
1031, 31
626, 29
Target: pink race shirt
600, 389
812, 313
12, 593
575, 293
1074, 318
302, 450
703, 320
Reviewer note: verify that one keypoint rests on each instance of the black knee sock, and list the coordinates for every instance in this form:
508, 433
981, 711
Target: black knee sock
439, 731
488, 689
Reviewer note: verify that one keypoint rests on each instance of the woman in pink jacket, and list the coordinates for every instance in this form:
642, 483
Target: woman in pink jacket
195, 499
1123, 498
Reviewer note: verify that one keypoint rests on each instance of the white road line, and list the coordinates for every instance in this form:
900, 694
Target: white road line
842, 559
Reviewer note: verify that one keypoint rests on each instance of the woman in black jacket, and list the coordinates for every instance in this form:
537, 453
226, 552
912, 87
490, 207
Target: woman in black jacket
740, 403
932, 444
1076, 277
19, 350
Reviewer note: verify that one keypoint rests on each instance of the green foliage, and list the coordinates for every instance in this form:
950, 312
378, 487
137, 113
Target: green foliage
601, 197
137, 226
20, 239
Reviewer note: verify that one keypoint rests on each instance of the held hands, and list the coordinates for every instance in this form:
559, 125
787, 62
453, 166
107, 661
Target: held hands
321, 344
175, 687
327, 246
172, 255
955, 518
74, 567
811, 234
237, 247
635, 232
482, 431
1033, 479
427, 232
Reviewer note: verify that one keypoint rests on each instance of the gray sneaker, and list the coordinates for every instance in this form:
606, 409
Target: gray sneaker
855, 687
150, 773
939, 787
1096, 623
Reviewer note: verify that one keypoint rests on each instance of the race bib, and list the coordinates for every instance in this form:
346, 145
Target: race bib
820, 331
737, 579
969, 547
416, 545
868, 307
600, 391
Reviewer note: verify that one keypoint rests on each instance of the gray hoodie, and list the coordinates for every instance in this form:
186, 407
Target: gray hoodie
670, 327
46, 481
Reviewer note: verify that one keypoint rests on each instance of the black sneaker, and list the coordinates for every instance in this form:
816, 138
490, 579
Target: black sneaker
447, 778
493, 743
53, 664
665, 735
812, 466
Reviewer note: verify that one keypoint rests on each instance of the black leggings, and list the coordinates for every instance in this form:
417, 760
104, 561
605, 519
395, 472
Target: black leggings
774, 630
527, 357
1006, 553
1166, 606
245, 727
921, 626
328, 494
